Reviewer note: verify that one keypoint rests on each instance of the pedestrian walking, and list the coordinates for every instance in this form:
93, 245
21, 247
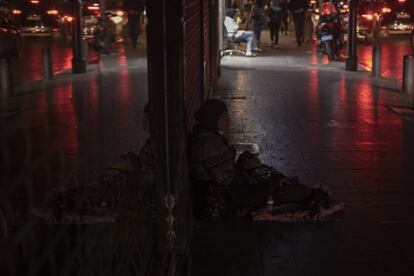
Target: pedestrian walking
257, 15
309, 24
275, 20
285, 13
298, 9
134, 9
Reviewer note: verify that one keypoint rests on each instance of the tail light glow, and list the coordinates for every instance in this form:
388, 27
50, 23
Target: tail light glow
54, 12
93, 8
386, 10
68, 18
16, 11
35, 1
368, 16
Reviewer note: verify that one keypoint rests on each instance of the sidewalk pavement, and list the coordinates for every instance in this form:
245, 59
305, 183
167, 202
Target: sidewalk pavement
62, 132
314, 120
310, 118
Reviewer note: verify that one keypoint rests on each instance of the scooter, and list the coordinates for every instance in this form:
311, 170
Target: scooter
330, 35
104, 34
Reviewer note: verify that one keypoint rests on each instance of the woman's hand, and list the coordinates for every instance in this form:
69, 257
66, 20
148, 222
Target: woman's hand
247, 161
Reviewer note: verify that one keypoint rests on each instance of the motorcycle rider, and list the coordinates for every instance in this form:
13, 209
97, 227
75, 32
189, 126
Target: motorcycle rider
328, 8
329, 14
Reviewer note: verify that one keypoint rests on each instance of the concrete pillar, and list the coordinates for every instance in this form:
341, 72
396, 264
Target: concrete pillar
165, 40
408, 75
6, 85
376, 61
78, 61
351, 62
47, 64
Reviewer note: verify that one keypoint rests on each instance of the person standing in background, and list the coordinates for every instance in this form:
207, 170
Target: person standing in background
134, 8
298, 9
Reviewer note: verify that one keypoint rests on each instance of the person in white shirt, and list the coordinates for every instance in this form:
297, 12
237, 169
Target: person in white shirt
232, 29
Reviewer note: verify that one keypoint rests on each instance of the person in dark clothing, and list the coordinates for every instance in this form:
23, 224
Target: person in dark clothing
222, 185
257, 16
298, 9
275, 19
134, 9
285, 13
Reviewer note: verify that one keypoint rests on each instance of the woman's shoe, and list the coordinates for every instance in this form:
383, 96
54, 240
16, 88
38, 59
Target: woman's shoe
250, 54
257, 49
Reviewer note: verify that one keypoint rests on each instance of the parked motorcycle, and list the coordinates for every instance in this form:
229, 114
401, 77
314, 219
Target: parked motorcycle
330, 35
104, 33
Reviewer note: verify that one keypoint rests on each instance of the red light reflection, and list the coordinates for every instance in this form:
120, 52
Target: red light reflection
392, 54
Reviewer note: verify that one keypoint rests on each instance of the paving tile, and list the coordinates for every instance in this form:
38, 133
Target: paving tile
231, 269
282, 270
344, 269
351, 251
408, 251
333, 128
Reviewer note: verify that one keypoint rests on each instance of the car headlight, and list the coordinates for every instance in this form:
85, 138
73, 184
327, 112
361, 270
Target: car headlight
116, 19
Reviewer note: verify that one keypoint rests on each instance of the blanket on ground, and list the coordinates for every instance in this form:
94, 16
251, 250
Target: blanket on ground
297, 213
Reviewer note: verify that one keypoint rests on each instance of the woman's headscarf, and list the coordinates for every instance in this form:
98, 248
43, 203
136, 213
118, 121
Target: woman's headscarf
209, 113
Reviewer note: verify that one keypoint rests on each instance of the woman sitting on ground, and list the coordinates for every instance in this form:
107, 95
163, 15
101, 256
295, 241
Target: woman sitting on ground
223, 185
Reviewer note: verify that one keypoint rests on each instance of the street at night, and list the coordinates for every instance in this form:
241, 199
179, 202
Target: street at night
29, 63
179, 145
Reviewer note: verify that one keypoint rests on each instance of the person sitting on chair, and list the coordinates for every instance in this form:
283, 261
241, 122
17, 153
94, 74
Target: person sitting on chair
232, 29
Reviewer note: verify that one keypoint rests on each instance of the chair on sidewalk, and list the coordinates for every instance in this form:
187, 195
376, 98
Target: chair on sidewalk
233, 44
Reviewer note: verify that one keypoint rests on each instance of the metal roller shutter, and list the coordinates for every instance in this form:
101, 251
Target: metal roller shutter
192, 58
206, 48
214, 44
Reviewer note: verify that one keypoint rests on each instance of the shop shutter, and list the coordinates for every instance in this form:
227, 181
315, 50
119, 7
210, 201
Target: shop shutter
206, 48
192, 59
214, 45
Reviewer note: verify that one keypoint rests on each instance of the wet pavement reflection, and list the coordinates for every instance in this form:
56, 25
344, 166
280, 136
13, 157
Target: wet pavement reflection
28, 66
68, 130
314, 120
393, 49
